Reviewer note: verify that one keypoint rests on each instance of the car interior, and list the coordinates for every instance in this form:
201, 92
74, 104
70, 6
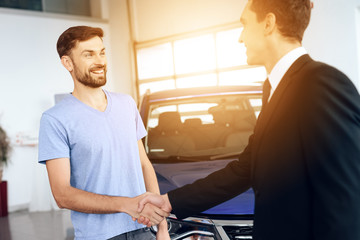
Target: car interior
233, 123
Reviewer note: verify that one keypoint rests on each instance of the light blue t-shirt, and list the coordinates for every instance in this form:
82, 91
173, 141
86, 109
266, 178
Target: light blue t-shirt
104, 156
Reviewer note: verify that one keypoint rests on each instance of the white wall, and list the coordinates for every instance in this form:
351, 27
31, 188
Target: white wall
31, 73
121, 45
358, 38
331, 36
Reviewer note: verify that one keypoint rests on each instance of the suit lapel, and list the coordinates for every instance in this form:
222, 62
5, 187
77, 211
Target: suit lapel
270, 109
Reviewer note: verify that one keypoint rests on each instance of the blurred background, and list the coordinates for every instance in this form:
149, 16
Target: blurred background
150, 44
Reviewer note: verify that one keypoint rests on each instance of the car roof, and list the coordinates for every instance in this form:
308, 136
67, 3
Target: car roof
203, 91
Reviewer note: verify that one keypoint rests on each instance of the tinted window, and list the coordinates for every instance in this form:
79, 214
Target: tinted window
24, 4
205, 127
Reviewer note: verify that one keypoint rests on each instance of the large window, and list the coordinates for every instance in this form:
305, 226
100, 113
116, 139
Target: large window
212, 58
77, 7
35, 5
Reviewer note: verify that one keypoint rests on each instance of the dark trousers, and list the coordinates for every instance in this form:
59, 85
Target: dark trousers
140, 234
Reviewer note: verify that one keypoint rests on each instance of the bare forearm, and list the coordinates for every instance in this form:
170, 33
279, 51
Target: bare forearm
151, 183
87, 202
150, 180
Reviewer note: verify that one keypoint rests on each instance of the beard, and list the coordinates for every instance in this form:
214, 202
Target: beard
86, 79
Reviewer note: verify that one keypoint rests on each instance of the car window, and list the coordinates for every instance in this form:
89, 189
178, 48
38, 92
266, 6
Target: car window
200, 127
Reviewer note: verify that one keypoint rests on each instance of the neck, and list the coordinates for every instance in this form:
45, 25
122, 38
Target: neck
93, 97
277, 50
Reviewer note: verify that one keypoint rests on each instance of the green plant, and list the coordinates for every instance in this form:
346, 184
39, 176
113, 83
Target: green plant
4, 146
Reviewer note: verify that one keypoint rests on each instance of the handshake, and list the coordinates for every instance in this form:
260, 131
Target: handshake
150, 209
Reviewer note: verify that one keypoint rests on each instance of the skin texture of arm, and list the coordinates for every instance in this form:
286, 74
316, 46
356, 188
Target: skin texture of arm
75, 199
152, 186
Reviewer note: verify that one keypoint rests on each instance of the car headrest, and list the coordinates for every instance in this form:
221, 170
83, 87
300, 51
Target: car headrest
192, 122
169, 121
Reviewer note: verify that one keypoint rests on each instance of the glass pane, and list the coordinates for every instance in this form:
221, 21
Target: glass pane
196, 110
229, 51
205, 119
195, 54
195, 107
249, 76
22, 4
156, 86
154, 119
201, 126
78, 7
197, 81
155, 61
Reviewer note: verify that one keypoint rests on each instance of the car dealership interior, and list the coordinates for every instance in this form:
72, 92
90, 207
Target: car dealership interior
151, 46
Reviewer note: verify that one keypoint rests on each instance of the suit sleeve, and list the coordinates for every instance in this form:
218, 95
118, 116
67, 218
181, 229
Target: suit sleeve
330, 128
214, 189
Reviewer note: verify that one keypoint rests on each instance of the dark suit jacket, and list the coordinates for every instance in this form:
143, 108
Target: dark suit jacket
303, 161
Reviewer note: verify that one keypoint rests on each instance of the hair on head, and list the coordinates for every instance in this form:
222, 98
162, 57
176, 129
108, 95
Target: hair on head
292, 16
72, 35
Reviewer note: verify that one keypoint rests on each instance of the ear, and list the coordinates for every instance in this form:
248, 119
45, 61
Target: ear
67, 63
270, 24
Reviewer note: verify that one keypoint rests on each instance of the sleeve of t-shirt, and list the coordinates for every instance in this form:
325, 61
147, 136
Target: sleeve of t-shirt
140, 128
53, 141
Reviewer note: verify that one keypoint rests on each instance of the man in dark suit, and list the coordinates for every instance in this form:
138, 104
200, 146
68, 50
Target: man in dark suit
303, 159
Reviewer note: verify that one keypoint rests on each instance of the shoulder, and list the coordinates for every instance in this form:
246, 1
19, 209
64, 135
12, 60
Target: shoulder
62, 111
314, 76
325, 87
59, 108
315, 72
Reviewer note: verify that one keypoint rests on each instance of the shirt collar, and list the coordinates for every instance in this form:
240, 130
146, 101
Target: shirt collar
283, 65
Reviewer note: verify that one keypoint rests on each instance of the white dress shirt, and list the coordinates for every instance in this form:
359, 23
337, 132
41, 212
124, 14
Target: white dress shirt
282, 66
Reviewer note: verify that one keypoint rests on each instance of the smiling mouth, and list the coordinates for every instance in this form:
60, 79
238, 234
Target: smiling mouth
98, 71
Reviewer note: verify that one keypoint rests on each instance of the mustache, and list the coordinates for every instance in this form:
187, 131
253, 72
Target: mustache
98, 67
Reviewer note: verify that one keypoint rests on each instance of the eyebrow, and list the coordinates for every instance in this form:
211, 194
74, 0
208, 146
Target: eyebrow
91, 51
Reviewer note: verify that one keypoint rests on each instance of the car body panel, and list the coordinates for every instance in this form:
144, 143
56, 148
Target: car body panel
171, 176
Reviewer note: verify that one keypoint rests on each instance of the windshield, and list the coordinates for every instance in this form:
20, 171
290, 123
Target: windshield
201, 127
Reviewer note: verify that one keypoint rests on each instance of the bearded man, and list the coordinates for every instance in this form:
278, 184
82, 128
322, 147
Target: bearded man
91, 144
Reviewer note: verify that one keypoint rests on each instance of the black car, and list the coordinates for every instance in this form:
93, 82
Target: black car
193, 132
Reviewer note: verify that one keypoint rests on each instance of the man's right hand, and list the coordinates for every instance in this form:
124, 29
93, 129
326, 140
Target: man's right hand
151, 212
161, 201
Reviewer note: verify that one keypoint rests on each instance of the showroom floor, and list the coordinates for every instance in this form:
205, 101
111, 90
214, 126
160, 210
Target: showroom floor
53, 225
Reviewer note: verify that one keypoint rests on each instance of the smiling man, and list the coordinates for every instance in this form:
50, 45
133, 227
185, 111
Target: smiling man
91, 144
303, 158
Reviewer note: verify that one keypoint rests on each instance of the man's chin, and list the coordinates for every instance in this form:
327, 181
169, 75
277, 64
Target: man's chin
253, 62
94, 84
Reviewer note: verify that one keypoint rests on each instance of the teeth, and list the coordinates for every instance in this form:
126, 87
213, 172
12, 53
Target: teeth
98, 72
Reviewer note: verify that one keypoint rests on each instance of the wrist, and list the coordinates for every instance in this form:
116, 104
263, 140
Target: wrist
163, 226
123, 204
168, 204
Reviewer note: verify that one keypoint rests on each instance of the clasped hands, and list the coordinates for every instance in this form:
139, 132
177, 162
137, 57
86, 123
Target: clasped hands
151, 208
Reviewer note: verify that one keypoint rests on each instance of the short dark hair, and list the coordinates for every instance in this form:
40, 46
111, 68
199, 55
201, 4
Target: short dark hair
292, 16
71, 36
